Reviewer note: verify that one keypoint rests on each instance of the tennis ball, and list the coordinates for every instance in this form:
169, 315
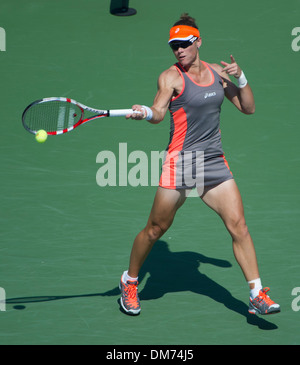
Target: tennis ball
41, 136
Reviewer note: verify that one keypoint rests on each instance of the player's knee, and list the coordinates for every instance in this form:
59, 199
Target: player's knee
156, 230
238, 227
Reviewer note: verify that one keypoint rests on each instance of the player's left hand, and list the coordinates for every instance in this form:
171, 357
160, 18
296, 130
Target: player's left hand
232, 69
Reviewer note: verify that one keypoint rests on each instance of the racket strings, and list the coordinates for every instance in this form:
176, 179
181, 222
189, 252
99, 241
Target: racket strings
52, 116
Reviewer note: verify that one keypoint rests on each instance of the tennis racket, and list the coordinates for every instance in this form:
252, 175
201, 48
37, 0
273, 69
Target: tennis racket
61, 115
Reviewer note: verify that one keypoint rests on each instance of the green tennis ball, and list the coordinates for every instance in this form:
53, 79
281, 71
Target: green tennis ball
41, 136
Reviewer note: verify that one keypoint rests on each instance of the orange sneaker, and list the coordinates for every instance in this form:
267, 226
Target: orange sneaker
130, 299
262, 304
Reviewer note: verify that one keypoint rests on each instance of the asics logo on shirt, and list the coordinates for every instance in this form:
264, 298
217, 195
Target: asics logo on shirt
209, 95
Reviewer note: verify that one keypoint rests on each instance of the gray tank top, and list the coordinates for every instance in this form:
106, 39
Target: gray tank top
195, 115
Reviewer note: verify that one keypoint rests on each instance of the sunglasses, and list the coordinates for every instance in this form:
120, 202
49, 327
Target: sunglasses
182, 44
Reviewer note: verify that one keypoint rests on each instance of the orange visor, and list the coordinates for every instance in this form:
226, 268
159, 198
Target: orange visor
183, 33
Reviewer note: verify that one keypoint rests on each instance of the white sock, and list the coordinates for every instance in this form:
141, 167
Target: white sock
257, 287
126, 277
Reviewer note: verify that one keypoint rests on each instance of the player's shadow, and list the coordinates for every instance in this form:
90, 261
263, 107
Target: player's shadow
171, 272
179, 272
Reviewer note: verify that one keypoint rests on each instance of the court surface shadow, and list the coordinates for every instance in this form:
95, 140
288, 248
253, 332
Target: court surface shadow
170, 272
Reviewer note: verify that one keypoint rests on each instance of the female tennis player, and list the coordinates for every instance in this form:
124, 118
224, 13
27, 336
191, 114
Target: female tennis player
193, 91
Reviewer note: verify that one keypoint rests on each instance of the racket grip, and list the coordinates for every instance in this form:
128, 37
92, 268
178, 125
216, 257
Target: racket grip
122, 112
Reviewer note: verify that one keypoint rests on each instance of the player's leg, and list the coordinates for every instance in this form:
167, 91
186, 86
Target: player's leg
165, 205
226, 200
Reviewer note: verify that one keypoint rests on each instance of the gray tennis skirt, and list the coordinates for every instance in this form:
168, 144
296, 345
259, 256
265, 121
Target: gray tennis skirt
194, 169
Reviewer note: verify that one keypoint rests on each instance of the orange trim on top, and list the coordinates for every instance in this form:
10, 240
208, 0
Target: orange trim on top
210, 70
183, 83
168, 176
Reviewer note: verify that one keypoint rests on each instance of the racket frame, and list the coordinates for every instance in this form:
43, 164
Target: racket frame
98, 114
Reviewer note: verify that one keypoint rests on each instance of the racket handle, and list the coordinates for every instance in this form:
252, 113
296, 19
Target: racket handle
121, 112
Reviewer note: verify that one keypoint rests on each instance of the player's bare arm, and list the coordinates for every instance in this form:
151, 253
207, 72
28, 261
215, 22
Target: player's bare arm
169, 84
242, 98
